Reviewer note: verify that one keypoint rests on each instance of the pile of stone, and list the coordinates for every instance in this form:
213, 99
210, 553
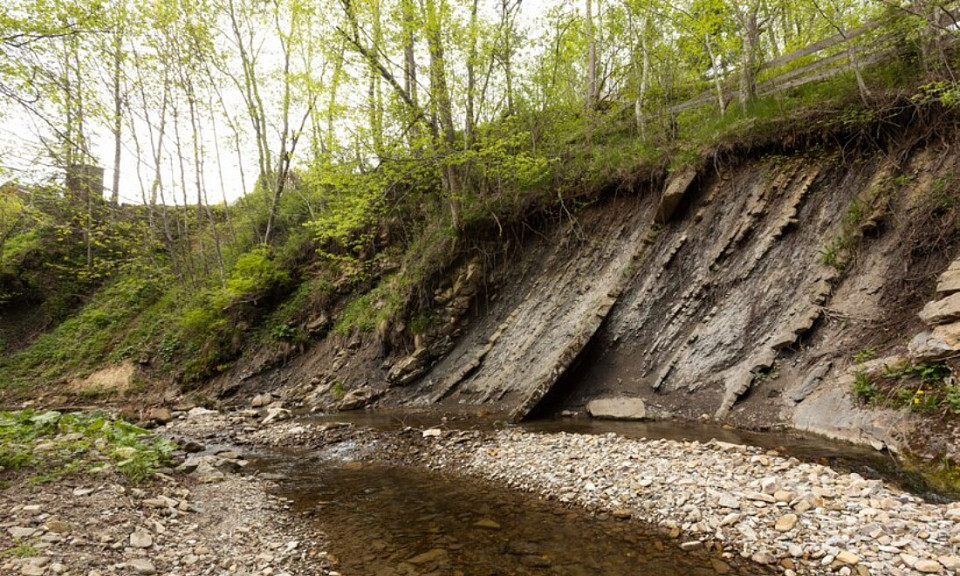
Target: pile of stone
942, 316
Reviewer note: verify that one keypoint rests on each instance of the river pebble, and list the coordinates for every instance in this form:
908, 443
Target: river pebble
804, 517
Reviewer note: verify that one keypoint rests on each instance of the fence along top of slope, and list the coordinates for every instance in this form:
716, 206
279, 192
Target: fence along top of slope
798, 76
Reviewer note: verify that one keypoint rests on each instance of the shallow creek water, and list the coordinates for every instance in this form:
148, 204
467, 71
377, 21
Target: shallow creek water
386, 520
390, 520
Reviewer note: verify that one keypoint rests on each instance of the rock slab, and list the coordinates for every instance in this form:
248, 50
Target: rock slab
618, 408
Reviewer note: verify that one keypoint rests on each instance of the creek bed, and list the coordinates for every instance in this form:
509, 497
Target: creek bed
839, 455
387, 520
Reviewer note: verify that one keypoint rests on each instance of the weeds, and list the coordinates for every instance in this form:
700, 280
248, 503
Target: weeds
921, 387
21, 551
54, 445
833, 253
864, 355
864, 388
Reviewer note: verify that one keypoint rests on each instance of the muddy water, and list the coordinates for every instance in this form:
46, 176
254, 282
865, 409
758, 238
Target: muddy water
393, 521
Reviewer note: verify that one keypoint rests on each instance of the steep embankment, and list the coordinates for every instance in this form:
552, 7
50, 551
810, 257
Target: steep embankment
743, 290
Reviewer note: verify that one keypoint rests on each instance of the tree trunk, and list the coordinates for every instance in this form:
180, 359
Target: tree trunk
750, 40
591, 60
444, 110
117, 119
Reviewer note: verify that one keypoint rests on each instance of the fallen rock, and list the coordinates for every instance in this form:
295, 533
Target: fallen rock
617, 408
159, 415
141, 539
142, 566
275, 415
20, 532
950, 280
357, 399
728, 501
786, 523
487, 523
199, 412
848, 557
31, 569
927, 566
673, 194
927, 346
429, 556
941, 311
261, 400
948, 334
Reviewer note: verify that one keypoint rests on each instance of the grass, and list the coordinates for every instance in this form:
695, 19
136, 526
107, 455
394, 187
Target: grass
52, 445
21, 550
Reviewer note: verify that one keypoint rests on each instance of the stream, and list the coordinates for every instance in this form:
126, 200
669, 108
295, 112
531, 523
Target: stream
386, 520
393, 520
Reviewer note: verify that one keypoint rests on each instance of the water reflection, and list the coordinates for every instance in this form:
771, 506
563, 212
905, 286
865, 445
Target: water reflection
393, 521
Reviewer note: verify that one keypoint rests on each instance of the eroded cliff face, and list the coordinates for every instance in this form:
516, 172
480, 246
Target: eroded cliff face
748, 303
740, 291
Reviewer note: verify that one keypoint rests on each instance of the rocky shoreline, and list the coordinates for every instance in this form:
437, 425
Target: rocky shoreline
211, 517
803, 518
177, 524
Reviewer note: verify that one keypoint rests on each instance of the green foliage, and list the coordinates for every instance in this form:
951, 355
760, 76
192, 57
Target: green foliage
864, 355
928, 373
21, 551
946, 92
864, 389
833, 253
52, 444
81, 343
365, 313
254, 273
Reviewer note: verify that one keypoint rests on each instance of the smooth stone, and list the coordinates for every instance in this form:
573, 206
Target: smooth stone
764, 558
928, 566
786, 523
487, 523
618, 408
142, 566
428, 556
141, 539
950, 562
20, 532
848, 557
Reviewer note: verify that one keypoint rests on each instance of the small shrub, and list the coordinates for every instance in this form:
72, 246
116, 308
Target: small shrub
832, 253
864, 388
952, 399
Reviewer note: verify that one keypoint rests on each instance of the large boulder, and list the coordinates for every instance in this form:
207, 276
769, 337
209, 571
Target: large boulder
617, 408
